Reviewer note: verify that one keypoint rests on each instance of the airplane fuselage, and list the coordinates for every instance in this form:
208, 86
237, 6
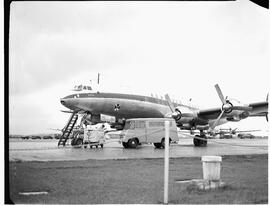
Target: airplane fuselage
125, 106
118, 105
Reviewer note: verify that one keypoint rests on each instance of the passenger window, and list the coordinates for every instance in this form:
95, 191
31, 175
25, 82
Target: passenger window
140, 124
156, 124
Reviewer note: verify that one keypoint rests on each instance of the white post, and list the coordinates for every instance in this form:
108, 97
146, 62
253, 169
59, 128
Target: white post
166, 162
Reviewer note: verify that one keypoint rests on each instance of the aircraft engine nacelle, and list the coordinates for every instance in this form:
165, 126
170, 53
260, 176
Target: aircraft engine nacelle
183, 112
236, 118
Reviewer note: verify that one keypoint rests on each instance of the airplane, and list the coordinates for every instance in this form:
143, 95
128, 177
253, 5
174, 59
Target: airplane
125, 106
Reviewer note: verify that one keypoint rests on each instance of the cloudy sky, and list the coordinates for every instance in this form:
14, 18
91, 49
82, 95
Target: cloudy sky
180, 48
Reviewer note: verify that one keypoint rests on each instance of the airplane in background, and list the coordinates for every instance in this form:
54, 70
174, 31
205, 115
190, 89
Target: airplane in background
125, 106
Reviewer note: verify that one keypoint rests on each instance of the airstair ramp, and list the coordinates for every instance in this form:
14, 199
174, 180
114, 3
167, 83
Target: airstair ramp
68, 129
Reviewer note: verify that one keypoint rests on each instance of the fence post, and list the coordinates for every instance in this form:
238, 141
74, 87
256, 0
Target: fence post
166, 162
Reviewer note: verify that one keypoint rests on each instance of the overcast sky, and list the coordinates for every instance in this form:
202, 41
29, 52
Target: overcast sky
180, 48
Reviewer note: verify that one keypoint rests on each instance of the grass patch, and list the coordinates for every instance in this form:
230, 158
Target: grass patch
138, 181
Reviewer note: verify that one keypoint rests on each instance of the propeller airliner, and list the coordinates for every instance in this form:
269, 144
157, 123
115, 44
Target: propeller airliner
125, 106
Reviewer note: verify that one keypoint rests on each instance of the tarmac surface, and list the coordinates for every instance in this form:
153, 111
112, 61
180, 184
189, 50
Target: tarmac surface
47, 150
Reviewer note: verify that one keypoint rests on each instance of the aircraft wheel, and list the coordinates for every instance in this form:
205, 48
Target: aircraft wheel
204, 142
196, 142
125, 145
133, 143
101, 145
199, 142
77, 142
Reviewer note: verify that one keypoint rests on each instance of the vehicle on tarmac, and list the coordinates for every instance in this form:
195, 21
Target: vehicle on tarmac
89, 136
226, 136
245, 136
47, 137
35, 137
147, 130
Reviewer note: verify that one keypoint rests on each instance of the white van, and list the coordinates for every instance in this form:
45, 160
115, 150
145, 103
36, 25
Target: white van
147, 130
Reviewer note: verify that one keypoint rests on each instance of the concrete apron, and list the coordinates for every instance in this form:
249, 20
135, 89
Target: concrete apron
202, 184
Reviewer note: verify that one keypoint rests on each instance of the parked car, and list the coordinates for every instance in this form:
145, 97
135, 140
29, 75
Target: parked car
35, 137
47, 137
226, 136
245, 135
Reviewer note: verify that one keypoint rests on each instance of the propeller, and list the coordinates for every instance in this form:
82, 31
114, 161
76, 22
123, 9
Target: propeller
227, 106
176, 113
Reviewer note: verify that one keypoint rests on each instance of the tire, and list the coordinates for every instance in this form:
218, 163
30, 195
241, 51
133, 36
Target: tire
77, 142
133, 143
204, 143
101, 145
125, 145
163, 142
73, 142
199, 142
196, 141
157, 145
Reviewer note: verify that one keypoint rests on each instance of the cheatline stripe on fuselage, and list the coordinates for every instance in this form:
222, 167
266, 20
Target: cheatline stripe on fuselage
123, 96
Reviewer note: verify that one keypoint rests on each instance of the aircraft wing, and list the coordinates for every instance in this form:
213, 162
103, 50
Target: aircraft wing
257, 109
210, 114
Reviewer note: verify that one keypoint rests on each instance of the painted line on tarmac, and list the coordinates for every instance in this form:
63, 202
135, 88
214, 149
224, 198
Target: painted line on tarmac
33, 193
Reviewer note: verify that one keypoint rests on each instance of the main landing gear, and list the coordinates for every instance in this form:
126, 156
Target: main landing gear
200, 140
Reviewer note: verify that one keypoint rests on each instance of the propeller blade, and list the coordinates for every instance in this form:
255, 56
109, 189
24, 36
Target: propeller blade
220, 94
170, 103
217, 120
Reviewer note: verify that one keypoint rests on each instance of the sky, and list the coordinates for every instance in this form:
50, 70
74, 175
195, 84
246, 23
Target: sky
180, 48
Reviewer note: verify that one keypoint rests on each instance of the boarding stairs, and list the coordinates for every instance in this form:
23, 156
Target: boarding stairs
67, 130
